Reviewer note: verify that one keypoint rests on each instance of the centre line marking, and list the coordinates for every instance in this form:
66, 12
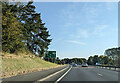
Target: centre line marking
99, 74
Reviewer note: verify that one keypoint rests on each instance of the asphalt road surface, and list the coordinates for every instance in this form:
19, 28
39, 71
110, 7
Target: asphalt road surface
90, 74
72, 75
87, 75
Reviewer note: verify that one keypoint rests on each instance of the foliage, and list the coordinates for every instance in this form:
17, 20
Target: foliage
23, 27
106, 60
95, 59
12, 34
75, 60
103, 60
90, 60
114, 53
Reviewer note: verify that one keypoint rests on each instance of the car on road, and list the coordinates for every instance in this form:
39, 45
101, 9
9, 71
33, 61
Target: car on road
84, 65
74, 65
98, 64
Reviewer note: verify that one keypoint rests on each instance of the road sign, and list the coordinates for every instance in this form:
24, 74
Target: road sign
100, 61
51, 54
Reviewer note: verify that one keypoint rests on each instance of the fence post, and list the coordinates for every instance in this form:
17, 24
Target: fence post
115, 68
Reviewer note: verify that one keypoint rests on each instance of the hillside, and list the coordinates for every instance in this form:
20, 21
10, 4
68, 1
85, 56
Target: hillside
18, 64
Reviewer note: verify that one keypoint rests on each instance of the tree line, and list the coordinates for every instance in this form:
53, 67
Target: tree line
114, 53
23, 29
92, 60
78, 61
111, 57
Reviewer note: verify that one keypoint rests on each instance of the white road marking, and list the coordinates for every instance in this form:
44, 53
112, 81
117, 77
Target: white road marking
52, 75
99, 74
63, 75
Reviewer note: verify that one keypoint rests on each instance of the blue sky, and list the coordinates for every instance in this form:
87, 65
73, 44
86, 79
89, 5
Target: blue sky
80, 29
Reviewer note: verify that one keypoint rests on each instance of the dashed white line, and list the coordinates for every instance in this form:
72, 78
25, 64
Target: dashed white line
99, 74
63, 75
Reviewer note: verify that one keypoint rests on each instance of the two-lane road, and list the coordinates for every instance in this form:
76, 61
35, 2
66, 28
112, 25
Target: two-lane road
90, 74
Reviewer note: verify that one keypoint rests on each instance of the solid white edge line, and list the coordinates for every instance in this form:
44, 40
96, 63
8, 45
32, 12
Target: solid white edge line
63, 75
51, 75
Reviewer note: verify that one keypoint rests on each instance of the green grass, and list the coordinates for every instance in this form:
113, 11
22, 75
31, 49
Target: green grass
24, 63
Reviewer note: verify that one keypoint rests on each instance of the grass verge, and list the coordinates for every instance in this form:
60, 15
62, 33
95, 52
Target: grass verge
15, 64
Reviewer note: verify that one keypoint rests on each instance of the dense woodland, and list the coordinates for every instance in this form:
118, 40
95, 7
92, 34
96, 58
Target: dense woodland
23, 29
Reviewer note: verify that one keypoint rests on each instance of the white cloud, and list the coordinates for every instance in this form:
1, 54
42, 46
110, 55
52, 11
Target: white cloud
92, 21
76, 42
110, 6
86, 15
72, 16
99, 29
68, 24
96, 30
87, 11
82, 33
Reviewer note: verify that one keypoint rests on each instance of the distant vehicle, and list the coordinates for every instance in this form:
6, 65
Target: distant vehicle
74, 64
84, 65
97, 64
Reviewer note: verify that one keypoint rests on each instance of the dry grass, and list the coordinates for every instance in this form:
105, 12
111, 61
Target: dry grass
16, 64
